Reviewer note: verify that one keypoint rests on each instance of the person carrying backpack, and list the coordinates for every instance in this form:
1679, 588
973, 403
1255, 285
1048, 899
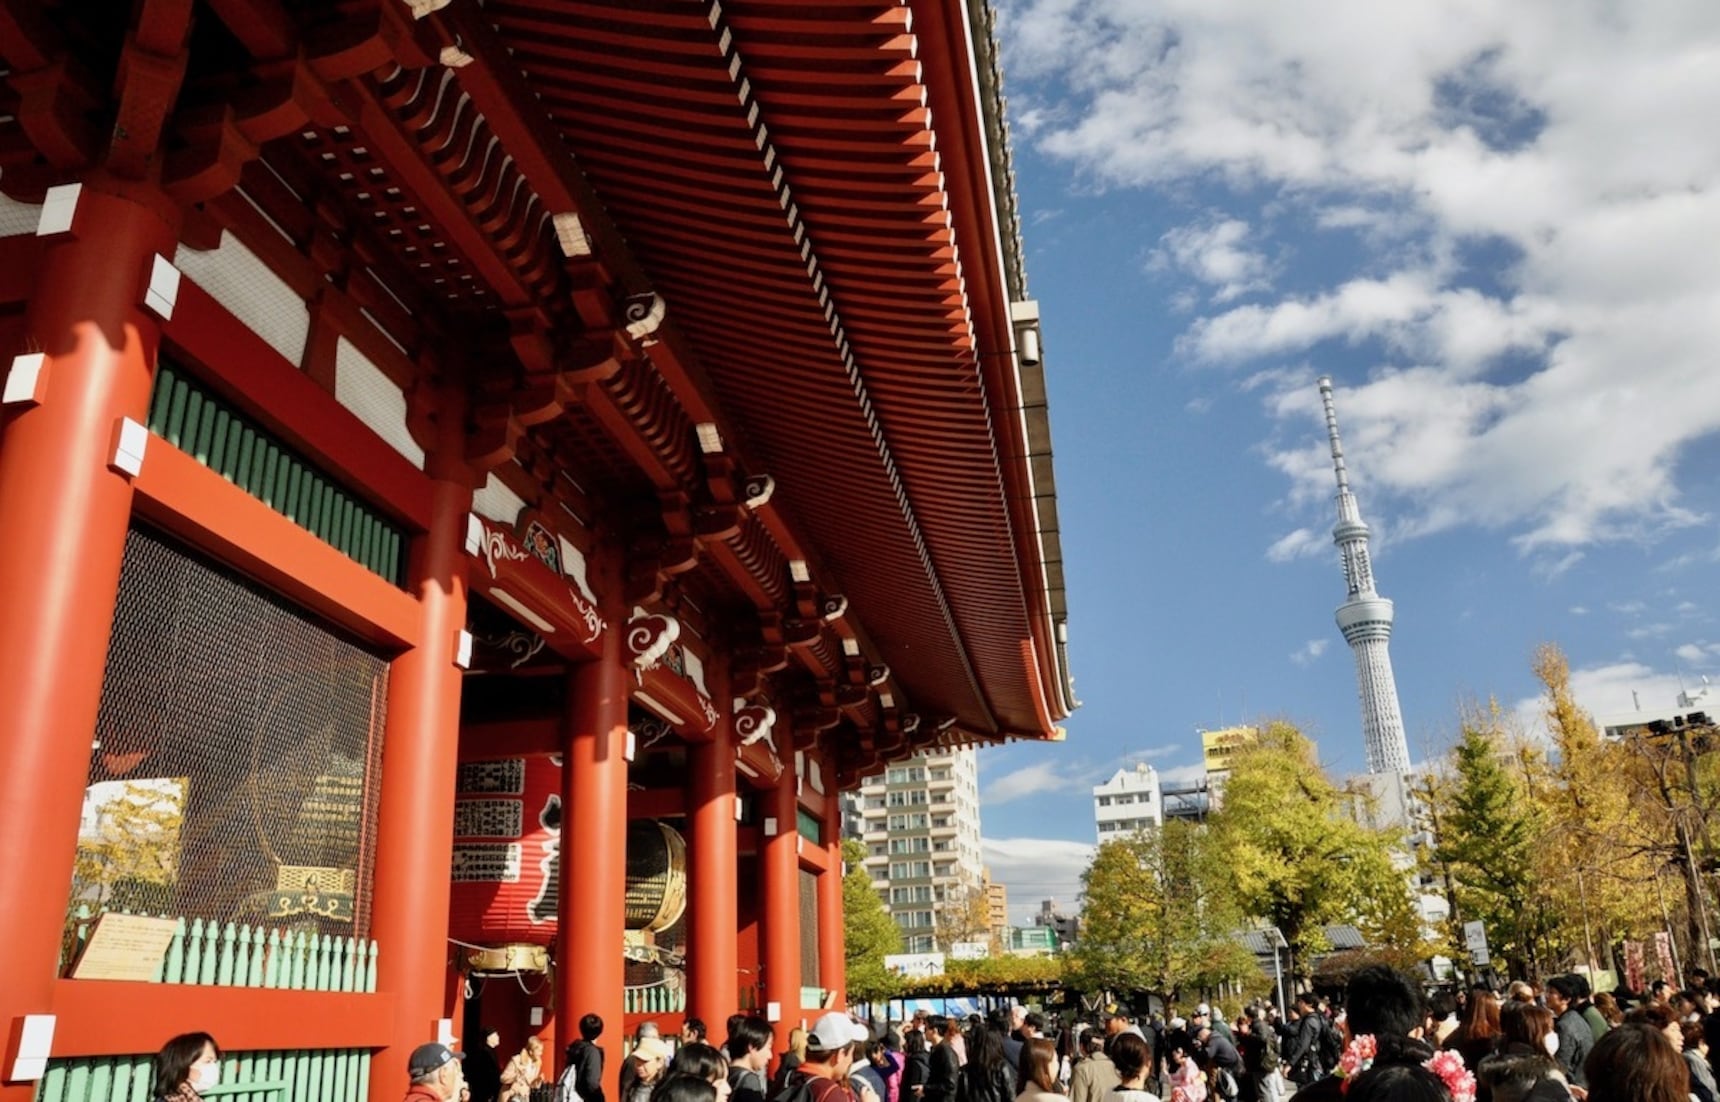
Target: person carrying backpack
823, 1076
582, 1077
1331, 1044
1303, 1056
1387, 1005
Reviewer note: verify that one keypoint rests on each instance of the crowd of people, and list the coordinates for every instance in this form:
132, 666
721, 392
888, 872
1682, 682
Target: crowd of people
1385, 1040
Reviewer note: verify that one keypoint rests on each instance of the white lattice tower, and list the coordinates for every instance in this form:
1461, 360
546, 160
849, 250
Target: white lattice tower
1365, 618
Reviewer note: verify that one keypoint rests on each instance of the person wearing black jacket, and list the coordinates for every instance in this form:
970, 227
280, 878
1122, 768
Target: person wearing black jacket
1303, 1055
917, 1065
748, 1049
943, 1073
483, 1070
585, 1060
1382, 1003
987, 1076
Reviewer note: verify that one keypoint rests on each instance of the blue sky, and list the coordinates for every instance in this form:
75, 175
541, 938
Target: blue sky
1496, 230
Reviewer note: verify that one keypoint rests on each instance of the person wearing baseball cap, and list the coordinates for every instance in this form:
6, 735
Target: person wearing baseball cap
435, 1073
831, 1046
645, 1066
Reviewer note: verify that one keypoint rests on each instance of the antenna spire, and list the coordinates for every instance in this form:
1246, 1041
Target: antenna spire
1332, 434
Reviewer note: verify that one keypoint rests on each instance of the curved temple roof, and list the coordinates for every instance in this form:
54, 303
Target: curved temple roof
810, 189
812, 200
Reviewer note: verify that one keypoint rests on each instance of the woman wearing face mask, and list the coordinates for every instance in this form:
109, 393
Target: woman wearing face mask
1525, 1030
187, 1067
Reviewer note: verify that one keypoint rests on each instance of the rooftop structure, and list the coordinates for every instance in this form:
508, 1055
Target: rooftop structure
1128, 802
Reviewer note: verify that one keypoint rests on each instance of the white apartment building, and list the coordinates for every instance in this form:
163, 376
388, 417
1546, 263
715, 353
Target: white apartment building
920, 826
1128, 802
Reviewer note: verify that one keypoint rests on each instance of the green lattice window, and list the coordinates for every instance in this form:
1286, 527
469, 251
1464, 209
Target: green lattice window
210, 430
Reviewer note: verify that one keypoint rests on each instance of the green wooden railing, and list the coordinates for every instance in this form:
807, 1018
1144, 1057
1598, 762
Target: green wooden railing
330, 1075
239, 955
221, 438
654, 999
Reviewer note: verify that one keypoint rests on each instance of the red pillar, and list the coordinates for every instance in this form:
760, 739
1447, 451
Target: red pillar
832, 961
420, 752
65, 514
713, 964
780, 943
588, 974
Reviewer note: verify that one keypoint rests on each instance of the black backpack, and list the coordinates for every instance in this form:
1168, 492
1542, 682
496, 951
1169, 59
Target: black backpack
1331, 1045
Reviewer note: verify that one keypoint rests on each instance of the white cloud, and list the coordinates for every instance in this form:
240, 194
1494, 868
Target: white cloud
1182, 774
1579, 610
1549, 568
1305, 654
1536, 281
1690, 558
1214, 252
1693, 653
1299, 544
1045, 777
1026, 781
1035, 869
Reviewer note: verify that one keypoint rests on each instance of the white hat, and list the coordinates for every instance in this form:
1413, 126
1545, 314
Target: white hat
1202, 1011
835, 1030
1177, 1023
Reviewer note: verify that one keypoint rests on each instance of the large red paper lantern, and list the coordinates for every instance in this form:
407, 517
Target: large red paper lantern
507, 851
507, 856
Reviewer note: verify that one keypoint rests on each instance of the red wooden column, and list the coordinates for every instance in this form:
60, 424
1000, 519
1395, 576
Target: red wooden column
832, 961
713, 965
782, 934
420, 752
588, 974
65, 513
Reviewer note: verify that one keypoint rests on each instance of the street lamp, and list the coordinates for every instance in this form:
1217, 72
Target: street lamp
1275, 938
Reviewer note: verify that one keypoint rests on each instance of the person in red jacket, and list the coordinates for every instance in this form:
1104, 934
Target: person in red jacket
435, 1073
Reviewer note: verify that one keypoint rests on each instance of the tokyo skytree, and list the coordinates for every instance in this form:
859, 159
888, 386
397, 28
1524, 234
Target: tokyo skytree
1365, 618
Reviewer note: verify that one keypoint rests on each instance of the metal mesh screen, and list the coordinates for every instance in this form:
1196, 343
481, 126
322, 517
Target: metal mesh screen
234, 775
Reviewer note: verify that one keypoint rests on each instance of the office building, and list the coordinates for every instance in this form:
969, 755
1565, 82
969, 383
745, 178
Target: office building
921, 832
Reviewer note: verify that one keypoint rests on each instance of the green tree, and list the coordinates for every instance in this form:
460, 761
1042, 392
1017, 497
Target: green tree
1159, 911
1000, 973
869, 934
1300, 858
1489, 835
